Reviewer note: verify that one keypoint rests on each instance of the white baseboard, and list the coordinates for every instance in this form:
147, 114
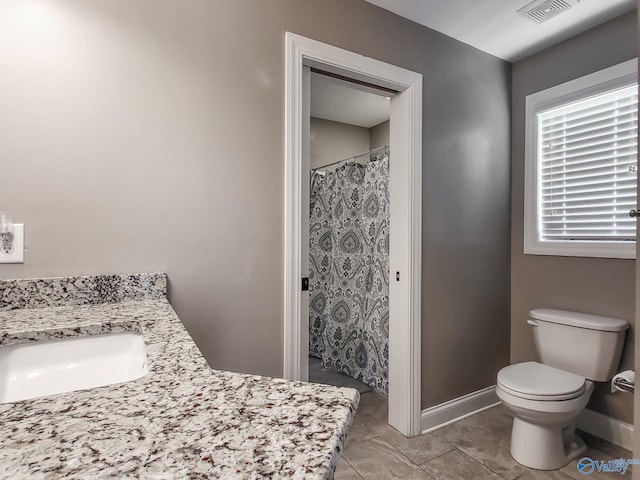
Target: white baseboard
449, 412
608, 428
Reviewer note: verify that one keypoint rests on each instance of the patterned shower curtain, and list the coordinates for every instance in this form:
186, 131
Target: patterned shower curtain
349, 271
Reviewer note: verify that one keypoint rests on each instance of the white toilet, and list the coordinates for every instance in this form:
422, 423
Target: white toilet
576, 349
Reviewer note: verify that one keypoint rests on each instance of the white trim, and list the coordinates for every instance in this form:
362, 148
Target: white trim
293, 358
405, 336
462, 407
608, 428
610, 78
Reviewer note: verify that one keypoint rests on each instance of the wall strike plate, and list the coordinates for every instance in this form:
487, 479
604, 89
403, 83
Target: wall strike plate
17, 251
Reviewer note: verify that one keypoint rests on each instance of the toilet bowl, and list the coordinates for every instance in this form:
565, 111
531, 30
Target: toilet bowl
545, 402
545, 398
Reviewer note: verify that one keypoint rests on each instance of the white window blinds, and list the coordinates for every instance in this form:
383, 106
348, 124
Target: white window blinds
587, 154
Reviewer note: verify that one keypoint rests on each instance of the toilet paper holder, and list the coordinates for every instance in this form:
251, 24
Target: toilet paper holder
624, 385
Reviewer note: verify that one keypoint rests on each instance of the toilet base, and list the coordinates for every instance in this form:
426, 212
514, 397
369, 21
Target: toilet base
544, 447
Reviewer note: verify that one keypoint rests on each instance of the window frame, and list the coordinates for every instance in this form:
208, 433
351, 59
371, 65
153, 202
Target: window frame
623, 74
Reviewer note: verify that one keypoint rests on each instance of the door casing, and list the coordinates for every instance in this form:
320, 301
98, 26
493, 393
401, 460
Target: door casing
405, 190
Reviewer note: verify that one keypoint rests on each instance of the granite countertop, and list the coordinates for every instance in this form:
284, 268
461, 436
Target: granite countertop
182, 420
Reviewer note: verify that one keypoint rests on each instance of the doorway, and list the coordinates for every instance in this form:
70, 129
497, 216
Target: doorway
349, 234
405, 183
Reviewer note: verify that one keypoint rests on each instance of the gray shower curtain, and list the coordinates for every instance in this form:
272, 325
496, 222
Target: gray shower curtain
349, 271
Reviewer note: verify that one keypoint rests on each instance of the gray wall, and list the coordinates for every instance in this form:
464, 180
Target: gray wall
379, 135
148, 135
332, 141
466, 172
601, 286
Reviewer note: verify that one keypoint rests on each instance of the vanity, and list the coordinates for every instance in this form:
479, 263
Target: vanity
179, 419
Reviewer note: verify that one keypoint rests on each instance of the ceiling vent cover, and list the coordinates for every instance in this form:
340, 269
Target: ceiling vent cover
540, 11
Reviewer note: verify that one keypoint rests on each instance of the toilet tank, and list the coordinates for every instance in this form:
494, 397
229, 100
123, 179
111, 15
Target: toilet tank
580, 343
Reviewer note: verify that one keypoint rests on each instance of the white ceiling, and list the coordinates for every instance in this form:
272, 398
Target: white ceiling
495, 27
340, 101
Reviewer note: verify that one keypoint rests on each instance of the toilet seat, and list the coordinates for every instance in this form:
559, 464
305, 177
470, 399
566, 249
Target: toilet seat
535, 381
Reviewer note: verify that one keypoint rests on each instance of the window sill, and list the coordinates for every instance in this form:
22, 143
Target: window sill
626, 250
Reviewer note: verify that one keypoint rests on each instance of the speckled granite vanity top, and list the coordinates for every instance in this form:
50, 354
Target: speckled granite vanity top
182, 420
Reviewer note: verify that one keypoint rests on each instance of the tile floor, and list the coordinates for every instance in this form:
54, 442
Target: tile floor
476, 448
319, 375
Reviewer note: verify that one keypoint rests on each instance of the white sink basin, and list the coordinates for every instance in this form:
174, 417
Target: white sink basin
37, 369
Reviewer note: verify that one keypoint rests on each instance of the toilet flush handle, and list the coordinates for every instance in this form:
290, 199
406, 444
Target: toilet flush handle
533, 323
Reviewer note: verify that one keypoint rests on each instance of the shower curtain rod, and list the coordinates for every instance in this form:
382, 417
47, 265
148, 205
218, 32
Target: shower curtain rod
389, 91
368, 152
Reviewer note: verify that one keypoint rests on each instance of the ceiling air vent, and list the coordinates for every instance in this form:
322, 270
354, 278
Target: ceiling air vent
540, 11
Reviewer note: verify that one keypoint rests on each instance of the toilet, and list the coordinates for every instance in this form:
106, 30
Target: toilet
576, 350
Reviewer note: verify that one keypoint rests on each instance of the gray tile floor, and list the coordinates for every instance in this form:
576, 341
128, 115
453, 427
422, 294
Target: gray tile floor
476, 448
319, 375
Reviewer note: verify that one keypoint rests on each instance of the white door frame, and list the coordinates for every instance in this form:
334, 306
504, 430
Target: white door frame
405, 187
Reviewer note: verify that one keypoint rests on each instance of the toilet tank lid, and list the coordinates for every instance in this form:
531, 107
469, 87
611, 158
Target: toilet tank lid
578, 319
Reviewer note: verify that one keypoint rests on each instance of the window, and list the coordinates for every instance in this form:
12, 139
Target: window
580, 166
